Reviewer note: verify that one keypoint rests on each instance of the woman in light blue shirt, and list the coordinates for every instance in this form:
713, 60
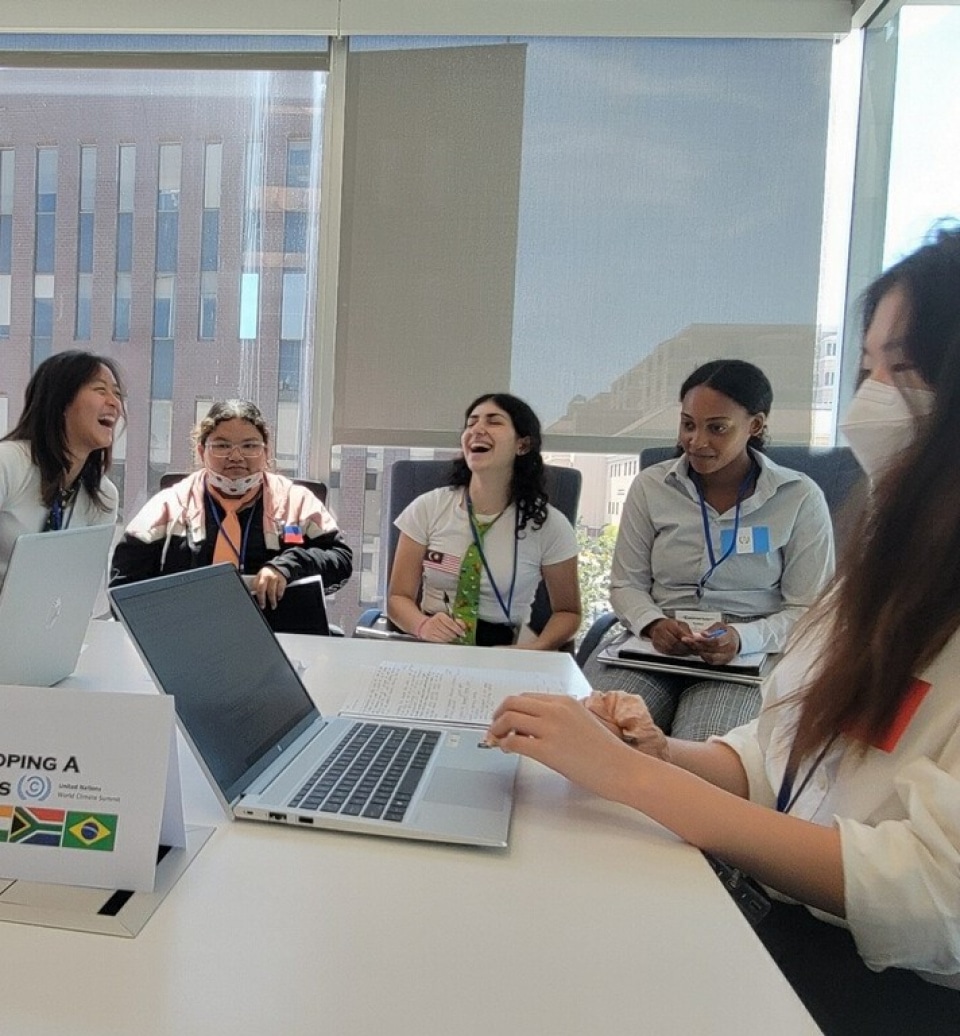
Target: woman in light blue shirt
719, 541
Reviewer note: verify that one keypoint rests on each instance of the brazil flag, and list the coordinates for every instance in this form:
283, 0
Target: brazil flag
90, 831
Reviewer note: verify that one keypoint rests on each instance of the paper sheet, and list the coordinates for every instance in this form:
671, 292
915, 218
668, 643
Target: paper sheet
443, 694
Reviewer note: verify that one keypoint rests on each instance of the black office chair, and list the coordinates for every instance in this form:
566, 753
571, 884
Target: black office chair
834, 469
319, 489
412, 478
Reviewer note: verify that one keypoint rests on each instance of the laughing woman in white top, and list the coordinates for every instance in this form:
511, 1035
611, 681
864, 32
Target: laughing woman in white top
470, 556
54, 463
844, 795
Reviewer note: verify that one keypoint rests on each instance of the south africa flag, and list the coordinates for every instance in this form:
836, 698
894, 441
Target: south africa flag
36, 825
90, 831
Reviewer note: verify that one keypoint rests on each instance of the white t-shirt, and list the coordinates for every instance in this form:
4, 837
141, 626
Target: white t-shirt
438, 520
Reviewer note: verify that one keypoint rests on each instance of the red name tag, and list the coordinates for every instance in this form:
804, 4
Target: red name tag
887, 740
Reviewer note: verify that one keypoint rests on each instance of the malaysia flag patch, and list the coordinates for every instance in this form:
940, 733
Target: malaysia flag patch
441, 562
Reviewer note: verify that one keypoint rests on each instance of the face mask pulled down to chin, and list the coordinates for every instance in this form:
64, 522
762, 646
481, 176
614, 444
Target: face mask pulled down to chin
233, 486
881, 422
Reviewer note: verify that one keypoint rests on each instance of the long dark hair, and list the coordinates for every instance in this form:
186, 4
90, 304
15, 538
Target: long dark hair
527, 486
43, 423
740, 381
895, 600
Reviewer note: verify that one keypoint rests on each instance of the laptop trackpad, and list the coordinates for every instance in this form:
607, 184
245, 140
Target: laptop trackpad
475, 790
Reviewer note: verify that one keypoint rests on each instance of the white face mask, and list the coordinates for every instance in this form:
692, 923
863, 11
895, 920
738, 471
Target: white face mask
881, 421
233, 486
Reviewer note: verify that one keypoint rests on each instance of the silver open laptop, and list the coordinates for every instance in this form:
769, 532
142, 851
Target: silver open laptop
46, 601
265, 746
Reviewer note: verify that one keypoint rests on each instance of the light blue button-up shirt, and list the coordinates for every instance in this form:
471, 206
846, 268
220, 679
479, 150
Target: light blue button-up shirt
661, 553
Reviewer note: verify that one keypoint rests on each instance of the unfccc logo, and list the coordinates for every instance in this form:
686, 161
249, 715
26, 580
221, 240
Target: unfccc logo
34, 786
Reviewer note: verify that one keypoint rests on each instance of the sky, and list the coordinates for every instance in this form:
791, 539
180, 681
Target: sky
664, 183
925, 154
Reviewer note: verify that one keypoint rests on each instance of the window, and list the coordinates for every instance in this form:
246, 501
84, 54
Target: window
153, 165
84, 306
163, 307
6, 237
126, 178
210, 240
531, 204
168, 208
580, 218
121, 307
85, 226
46, 229
909, 70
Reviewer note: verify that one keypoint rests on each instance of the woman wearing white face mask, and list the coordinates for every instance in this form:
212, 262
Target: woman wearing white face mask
881, 418
234, 509
843, 797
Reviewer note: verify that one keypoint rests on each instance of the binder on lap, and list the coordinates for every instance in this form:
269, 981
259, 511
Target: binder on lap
632, 652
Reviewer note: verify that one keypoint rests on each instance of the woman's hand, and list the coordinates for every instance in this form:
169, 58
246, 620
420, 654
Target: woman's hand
670, 636
440, 629
627, 716
560, 733
717, 645
268, 586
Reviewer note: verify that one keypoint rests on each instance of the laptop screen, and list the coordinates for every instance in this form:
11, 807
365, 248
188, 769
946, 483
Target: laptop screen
207, 643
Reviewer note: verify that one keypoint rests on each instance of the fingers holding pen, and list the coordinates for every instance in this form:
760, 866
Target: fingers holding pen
440, 628
545, 727
519, 715
717, 645
559, 732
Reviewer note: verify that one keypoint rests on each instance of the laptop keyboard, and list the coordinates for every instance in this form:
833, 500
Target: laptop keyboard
373, 772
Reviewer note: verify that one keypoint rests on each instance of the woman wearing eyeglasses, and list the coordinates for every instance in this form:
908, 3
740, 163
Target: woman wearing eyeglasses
233, 509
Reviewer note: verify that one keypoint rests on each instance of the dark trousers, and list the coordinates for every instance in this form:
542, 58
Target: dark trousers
842, 994
494, 634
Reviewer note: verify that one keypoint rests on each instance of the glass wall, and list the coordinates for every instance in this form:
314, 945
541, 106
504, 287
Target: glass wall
577, 221
158, 203
581, 222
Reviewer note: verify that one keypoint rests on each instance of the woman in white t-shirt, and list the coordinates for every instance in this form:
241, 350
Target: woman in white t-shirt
471, 555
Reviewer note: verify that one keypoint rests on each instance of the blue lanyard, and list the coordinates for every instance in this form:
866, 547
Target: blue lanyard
55, 519
716, 562
786, 800
242, 552
477, 539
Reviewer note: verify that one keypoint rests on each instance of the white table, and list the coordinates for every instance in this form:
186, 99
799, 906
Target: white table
595, 920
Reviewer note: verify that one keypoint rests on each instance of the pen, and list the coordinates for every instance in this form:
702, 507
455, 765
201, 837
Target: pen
713, 633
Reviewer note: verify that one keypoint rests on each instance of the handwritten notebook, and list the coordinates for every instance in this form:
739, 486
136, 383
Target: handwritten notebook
461, 695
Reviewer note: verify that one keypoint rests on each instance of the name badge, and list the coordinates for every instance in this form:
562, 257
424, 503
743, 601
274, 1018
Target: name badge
697, 620
750, 540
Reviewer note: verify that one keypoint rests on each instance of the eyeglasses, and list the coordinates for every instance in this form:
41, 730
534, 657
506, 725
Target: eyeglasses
224, 449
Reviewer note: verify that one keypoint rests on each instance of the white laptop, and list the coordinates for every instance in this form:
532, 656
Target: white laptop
265, 746
46, 602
